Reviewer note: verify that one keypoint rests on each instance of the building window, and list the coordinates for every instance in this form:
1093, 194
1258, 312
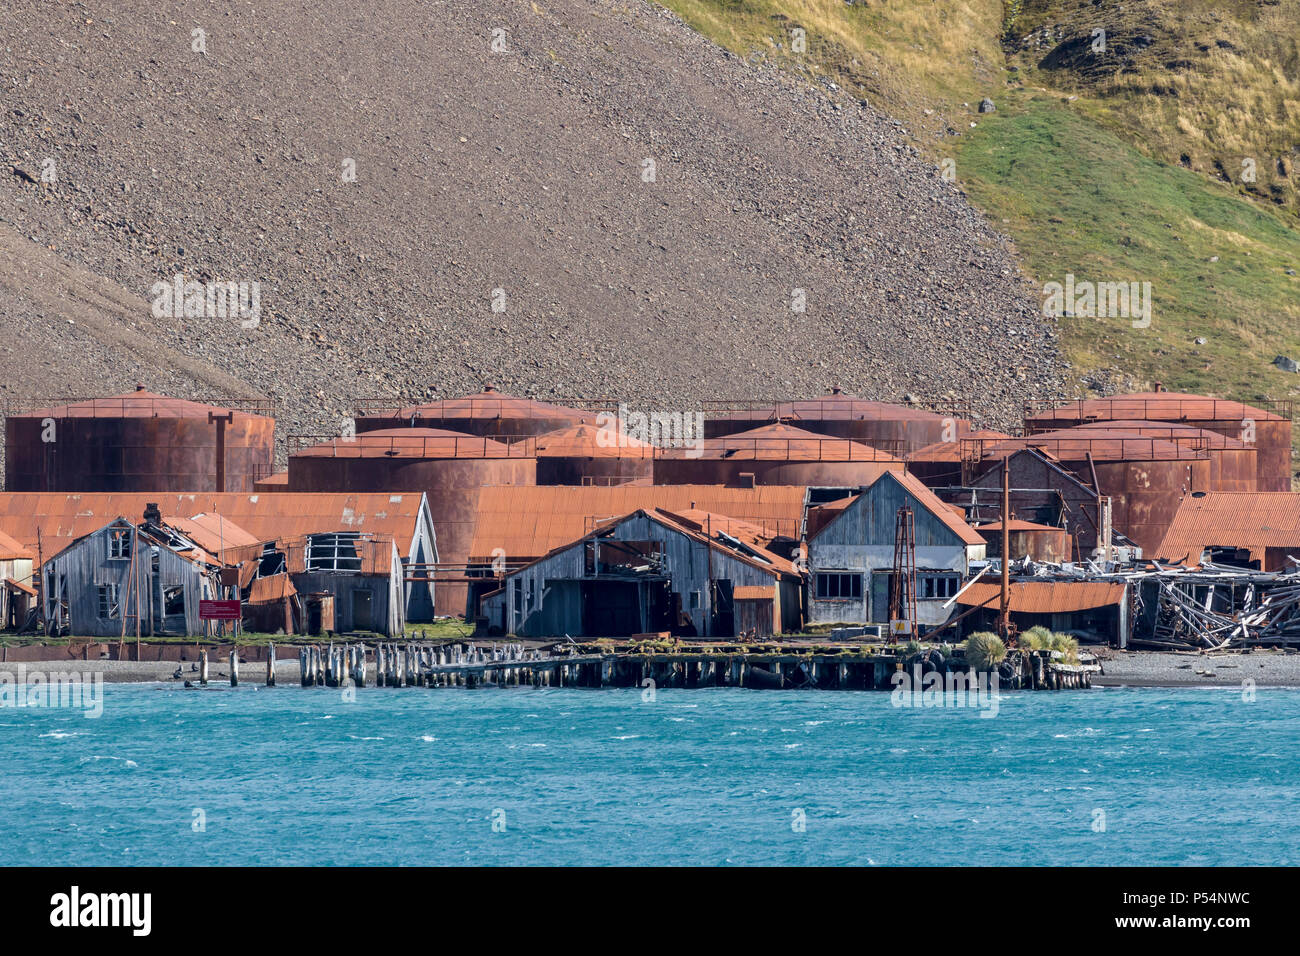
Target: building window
119, 543
173, 600
108, 608
838, 586
695, 601
333, 552
936, 586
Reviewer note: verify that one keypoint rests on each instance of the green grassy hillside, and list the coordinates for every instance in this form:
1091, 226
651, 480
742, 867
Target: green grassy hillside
1113, 166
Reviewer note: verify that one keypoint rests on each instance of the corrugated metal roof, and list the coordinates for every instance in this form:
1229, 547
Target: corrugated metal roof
62, 518
754, 592
13, 584
211, 532
11, 549
272, 588
526, 522
1045, 597
1228, 519
945, 512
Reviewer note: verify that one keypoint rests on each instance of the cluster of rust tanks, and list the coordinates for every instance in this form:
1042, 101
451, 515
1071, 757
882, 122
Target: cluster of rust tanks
1146, 451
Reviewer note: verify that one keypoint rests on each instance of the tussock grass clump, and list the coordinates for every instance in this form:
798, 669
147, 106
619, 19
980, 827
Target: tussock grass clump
1067, 645
1036, 639
984, 650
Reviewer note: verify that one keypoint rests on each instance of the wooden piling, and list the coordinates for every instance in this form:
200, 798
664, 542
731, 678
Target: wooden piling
270, 665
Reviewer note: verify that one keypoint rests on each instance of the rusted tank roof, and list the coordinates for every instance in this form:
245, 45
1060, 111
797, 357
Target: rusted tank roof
137, 404
526, 522
413, 443
1171, 431
1045, 597
62, 518
588, 441
836, 405
1104, 444
1152, 406
781, 442
1254, 521
488, 404
950, 451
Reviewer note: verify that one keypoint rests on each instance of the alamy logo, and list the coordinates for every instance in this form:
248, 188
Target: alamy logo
74, 909
1098, 300
665, 429
953, 689
179, 299
23, 687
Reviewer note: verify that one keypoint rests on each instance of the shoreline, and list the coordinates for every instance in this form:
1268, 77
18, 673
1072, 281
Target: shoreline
1156, 669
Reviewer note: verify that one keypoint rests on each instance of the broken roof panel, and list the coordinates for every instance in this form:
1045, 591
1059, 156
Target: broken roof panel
1045, 597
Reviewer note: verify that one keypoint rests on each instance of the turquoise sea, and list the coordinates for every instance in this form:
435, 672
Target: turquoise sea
715, 777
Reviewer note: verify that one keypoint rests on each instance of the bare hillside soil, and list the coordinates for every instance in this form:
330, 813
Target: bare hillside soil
523, 171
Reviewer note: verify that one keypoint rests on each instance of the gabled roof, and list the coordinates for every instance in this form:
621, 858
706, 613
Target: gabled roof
526, 522
62, 518
1238, 519
11, 550
947, 515
211, 532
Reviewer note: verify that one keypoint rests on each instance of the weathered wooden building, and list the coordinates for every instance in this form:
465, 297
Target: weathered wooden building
111, 581
851, 556
331, 582
16, 591
692, 574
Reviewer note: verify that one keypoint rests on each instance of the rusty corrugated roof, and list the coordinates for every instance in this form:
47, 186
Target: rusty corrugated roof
11, 549
946, 513
1045, 597
270, 589
62, 518
1231, 519
754, 592
526, 522
211, 532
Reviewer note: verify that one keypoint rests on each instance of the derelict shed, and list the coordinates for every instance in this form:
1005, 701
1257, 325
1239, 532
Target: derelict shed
139, 441
851, 558
1259, 531
649, 572
330, 582
1268, 429
488, 414
104, 584
1097, 612
896, 429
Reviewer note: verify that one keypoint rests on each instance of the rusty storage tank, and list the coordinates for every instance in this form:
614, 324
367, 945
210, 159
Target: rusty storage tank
489, 413
588, 455
774, 455
1144, 476
449, 467
940, 465
897, 429
1268, 429
1039, 542
140, 441
1233, 463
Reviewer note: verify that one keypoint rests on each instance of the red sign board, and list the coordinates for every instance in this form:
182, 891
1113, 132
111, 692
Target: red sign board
219, 610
